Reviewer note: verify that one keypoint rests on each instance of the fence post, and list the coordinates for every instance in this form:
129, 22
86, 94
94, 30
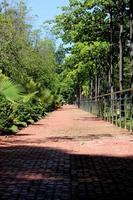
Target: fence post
125, 111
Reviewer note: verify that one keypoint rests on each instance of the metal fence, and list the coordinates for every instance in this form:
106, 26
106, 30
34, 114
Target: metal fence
114, 107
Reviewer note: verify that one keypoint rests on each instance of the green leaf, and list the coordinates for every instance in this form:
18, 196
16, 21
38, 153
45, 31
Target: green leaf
9, 90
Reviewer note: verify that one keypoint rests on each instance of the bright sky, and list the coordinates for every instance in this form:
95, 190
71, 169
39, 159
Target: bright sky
45, 9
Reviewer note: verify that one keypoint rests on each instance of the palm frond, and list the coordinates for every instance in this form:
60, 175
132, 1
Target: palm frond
28, 97
9, 90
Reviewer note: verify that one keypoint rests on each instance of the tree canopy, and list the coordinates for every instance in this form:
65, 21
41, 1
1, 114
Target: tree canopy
99, 34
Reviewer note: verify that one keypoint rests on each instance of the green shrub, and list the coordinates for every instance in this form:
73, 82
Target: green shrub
30, 121
20, 124
14, 116
13, 129
6, 110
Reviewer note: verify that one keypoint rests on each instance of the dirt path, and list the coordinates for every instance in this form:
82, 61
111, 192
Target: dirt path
68, 155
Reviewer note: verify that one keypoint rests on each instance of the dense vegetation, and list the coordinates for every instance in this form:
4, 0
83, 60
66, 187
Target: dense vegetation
97, 36
29, 83
96, 57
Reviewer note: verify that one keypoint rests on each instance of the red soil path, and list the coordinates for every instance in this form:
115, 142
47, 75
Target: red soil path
68, 155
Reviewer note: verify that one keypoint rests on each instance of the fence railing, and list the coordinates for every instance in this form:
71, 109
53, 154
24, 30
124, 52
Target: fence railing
115, 107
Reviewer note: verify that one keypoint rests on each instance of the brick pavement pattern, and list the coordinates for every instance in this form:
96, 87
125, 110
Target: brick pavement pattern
68, 155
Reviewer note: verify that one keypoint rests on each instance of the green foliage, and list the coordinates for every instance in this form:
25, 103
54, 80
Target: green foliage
13, 129
8, 89
91, 28
29, 82
6, 109
28, 111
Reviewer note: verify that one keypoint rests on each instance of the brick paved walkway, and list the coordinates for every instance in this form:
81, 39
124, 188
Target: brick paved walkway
69, 155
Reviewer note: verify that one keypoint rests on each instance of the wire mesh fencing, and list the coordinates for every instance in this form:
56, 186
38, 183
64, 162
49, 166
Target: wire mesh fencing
114, 107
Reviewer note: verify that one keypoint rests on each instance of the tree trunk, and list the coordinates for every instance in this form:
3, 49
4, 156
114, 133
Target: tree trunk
96, 94
96, 86
111, 65
91, 90
91, 96
111, 54
131, 53
78, 96
121, 65
131, 40
121, 62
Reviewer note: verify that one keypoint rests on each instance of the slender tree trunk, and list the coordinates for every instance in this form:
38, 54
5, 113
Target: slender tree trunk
91, 94
109, 80
131, 53
78, 96
131, 40
111, 54
96, 86
111, 65
96, 94
121, 62
121, 65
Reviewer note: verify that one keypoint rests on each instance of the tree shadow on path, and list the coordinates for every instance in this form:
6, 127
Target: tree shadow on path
40, 173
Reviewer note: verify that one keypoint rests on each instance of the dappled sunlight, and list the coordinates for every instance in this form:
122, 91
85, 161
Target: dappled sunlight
38, 176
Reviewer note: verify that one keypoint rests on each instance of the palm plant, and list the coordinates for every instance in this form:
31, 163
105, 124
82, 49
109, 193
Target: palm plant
8, 89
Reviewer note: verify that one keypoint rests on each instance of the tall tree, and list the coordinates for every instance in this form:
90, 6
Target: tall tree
131, 39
